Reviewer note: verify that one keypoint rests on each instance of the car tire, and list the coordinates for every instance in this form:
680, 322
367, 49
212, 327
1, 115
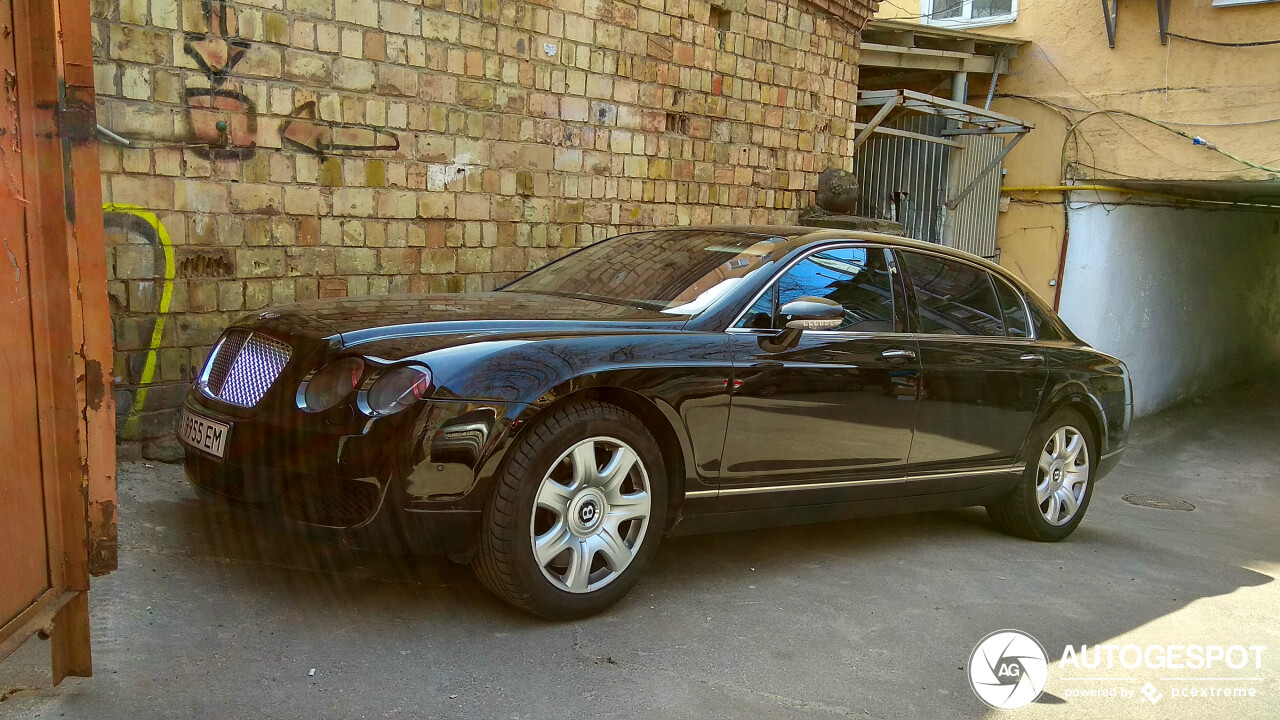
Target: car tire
1058, 474
556, 491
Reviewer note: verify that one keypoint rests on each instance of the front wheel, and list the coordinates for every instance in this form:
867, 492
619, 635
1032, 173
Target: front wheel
1054, 492
577, 513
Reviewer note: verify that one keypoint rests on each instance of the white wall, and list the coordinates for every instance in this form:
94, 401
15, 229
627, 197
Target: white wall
1188, 299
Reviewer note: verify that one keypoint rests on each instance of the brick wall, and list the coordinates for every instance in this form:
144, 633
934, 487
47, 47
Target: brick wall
285, 150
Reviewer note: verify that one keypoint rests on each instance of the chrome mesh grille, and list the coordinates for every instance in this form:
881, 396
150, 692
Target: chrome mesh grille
243, 367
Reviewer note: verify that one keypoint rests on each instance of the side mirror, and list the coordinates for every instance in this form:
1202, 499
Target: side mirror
806, 313
812, 313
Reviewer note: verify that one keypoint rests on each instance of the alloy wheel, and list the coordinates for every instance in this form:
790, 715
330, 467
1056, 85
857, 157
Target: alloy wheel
590, 514
1063, 475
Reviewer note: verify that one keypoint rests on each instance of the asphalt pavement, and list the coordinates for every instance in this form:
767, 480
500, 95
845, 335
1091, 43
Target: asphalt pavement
209, 617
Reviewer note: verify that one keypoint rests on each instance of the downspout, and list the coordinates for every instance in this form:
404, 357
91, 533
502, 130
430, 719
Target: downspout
1062, 255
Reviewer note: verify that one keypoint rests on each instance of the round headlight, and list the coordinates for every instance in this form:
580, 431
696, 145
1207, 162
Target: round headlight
333, 383
397, 389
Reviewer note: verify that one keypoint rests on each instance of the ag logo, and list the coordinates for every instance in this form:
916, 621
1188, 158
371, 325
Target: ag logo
1008, 669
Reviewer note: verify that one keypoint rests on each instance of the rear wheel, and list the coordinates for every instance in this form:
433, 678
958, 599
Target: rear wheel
577, 513
1057, 484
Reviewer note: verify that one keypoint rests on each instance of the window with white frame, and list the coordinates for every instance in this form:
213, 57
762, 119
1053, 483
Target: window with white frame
969, 12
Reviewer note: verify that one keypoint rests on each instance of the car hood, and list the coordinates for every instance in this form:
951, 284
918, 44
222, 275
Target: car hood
423, 322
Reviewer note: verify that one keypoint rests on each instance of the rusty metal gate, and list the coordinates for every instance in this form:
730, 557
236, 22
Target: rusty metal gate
56, 419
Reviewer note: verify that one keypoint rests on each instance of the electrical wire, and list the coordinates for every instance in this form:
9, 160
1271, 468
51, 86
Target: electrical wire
1073, 108
1219, 43
1125, 113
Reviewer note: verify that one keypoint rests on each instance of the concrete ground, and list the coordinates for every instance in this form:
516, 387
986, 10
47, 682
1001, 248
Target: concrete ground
866, 619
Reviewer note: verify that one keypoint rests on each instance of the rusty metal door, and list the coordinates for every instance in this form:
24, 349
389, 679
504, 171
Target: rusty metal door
24, 561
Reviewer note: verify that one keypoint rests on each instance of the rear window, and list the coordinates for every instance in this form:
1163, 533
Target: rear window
1046, 329
1011, 305
952, 297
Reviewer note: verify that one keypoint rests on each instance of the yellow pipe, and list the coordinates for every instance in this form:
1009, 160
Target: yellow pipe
1125, 190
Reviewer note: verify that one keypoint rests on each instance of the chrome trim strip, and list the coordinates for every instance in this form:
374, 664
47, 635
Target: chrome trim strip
1113, 453
701, 493
851, 483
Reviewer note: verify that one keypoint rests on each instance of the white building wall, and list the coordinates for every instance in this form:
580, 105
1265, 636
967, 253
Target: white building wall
1188, 299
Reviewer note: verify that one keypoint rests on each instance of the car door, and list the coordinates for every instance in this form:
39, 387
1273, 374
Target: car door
837, 409
982, 376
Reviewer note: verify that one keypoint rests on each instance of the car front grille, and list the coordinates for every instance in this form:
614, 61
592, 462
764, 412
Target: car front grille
243, 366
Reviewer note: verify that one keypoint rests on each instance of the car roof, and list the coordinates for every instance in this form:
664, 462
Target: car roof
801, 235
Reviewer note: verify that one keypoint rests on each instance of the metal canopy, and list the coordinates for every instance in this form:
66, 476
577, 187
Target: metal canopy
897, 52
966, 120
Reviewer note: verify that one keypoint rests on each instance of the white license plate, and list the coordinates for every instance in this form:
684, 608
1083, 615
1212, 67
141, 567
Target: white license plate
202, 433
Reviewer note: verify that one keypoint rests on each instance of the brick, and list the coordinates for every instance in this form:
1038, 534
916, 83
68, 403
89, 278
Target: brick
440, 26
317, 261
306, 66
397, 204
398, 261
399, 17
255, 198
475, 94
353, 202
144, 191
436, 205
260, 262
568, 160
472, 207
302, 201
333, 288
351, 74
575, 109
202, 196
397, 80
312, 8
139, 45
359, 12
357, 261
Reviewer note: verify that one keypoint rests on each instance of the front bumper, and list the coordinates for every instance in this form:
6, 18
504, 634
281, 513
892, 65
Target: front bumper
415, 480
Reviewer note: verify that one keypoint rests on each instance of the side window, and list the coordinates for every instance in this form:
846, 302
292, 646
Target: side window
857, 278
953, 297
1015, 313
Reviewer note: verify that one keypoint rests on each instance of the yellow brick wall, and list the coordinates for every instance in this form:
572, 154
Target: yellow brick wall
294, 149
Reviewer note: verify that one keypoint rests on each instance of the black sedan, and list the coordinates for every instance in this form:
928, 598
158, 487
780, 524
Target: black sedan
662, 382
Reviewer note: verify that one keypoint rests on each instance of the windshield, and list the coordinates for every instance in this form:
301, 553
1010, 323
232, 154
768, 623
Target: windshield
675, 271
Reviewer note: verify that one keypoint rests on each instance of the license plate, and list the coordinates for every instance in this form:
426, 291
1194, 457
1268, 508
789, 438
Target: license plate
202, 433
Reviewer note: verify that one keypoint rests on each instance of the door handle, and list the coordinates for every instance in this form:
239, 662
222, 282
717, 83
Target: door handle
1032, 358
898, 355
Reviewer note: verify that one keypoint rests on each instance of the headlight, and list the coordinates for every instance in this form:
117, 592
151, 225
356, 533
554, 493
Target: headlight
330, 385
397, 389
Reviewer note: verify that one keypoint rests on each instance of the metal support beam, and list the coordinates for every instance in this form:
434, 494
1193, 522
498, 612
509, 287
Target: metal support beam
914, 136
960, 87
879, 117
995, 163
1109, 13
1163, 10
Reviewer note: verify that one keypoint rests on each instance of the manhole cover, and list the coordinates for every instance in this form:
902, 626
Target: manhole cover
1159, 503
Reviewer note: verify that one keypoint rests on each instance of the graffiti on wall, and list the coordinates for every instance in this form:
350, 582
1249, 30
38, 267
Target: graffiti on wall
149, 226
226, 121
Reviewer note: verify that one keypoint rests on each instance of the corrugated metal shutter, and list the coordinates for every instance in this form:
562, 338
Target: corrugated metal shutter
915, 169
971, 225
